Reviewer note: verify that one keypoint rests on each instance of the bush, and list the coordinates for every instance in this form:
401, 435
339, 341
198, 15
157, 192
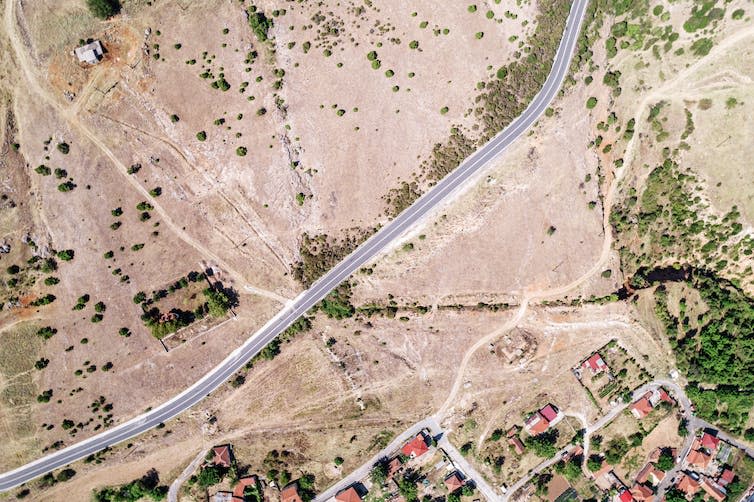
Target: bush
260, 24
201, 135
241, 151
103, 8
64, 148
66, 254
66, 186
594, 463
591, 103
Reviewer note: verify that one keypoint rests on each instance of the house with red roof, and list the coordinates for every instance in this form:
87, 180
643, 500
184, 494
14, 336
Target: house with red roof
454, 482
393, 467
595, 364
642, 493
348, 495
688, 485
650, 473
698, 459
222, 456
517, 445
642, 407
726, 477
714, 490
416, 447
543, 419
240, 488
625, 496
710, 442
290, 493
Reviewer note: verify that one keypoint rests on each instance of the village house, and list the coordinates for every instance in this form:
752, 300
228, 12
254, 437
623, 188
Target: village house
240, 488
688, 485
542, 420
393, 467
223, 497
290, 493
595, 364
348, 495
726, 477
416, 447
649, 401
517, 445
222, 456
641, 493
90, 53
625, 496
651, 474
454, 482
714, 490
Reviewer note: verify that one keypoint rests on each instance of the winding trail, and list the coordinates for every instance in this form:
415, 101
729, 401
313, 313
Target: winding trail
69, 114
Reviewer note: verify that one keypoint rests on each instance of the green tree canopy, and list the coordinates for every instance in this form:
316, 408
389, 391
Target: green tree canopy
103, 8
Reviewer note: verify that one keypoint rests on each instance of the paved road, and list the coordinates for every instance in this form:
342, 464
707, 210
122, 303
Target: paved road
301, 304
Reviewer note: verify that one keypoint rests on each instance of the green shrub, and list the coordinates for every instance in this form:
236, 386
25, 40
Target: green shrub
64, 148
591, 103
241, 151
260, 24
201, 135
65, 255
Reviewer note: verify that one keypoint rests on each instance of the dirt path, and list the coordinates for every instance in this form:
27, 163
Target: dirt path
28, 68
609, 200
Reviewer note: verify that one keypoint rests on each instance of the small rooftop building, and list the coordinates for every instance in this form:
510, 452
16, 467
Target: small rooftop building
90, 53
223, 497
348, 495
454, 482
222, 456
290, 493
595, 364
688, 485
642, 407
710, 442
416, 447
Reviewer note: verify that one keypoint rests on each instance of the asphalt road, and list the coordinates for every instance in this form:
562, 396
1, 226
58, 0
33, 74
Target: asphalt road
361, 256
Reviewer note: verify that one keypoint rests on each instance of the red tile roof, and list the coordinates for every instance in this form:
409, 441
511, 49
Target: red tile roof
641, 492
222, 455
726, 477
595, 363
518, 446
687, 485
538, 426
713, 491
650, 473
549, 412
710, 442
393, 466
642, 407
348, 495
453, 482
698, 459
625, 496
290, 493
416, 447
664, 396
242, 484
